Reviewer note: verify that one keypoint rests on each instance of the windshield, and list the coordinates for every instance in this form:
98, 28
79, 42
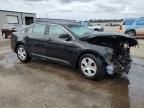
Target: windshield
79, 30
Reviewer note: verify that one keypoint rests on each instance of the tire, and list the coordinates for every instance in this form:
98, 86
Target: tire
91, 67
131, 33
22, 54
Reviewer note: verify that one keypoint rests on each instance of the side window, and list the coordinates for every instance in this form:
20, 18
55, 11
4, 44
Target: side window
39, 29
56, 30
140, 22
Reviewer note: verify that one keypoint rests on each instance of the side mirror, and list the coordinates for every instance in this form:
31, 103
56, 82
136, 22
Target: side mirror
65, 36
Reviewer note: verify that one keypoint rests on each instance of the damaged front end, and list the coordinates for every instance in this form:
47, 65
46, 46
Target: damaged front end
119, 59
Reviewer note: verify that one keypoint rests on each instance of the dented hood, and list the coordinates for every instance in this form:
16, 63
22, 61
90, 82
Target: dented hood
110, 37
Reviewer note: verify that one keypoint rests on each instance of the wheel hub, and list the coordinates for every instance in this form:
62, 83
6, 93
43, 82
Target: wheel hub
22, 53
88, 66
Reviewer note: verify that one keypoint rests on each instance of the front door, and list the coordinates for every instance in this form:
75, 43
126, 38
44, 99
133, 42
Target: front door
58, 47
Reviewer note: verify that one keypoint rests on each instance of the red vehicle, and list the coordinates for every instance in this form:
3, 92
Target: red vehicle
8, 29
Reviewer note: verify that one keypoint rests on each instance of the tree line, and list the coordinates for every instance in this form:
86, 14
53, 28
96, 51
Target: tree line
105, 20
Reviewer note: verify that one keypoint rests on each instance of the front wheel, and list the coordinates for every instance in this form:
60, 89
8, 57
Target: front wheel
91, 67
22, 54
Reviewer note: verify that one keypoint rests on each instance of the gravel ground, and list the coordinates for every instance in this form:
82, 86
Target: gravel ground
40, 84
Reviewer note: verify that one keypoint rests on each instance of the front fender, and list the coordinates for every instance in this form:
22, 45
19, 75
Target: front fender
102, 52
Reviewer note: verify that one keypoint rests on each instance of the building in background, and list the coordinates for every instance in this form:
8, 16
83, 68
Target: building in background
13, 17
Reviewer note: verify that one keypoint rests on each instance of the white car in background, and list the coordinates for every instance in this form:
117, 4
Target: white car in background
97, 28
93, 27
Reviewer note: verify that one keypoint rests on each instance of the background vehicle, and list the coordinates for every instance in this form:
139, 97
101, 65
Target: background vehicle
97, 28
8, 29
95, 54
92, 27
133, 27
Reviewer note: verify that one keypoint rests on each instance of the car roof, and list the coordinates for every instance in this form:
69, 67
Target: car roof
60, 23
130, 18
127, 19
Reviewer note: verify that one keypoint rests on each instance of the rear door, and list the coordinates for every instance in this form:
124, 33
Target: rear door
35, 39
140, 27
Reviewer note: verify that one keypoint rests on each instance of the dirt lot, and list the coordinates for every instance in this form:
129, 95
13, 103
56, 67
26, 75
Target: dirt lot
40, 84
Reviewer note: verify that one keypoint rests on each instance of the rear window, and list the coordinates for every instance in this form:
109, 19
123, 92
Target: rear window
129, 22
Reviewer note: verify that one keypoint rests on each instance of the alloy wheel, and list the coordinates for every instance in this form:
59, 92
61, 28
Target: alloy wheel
21, 53
88, 67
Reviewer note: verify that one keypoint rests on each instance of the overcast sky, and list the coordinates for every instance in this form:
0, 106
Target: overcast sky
77, 9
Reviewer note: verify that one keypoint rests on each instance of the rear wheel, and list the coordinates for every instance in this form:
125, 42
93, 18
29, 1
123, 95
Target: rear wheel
91, 67
131, 33
23, 54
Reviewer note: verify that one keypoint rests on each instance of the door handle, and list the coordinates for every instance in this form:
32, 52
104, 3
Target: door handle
49, 39
26, 37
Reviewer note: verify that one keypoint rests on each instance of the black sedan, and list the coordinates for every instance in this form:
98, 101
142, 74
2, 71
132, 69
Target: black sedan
95, 54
